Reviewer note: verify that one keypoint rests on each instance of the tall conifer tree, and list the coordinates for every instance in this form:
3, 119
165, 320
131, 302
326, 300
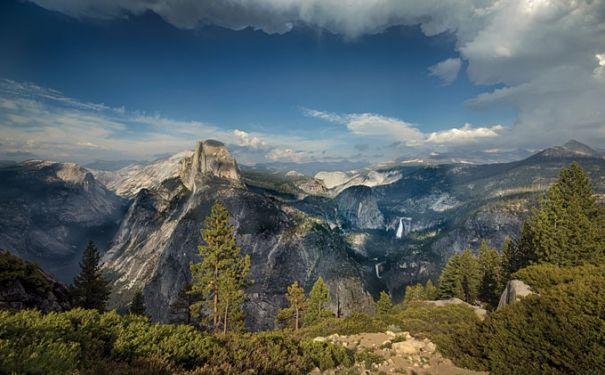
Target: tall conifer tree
90, 289
318, 298
566, 228
296, 299
220, 278
137, 306
384, 306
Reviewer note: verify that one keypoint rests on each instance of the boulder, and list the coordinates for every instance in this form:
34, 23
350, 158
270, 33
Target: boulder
514, 291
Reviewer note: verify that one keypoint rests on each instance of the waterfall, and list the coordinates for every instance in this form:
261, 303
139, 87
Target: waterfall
400, 229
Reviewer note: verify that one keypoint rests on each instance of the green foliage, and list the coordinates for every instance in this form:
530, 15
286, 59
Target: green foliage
220, 278
318, 298
430, 291
414, 293
541, 277
368, 357
293, 313
137, 306
436, 321
179, 311
461, 277
90, 289
492, 281
384, 305
566, 228
70, 342
13, 269
559, 331
350, 325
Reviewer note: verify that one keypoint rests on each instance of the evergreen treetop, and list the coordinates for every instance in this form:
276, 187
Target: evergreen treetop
137, 306
318, 298
220, 278
384, 306
90, 289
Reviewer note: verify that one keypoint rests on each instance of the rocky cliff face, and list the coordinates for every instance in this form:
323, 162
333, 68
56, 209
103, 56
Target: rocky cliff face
358, 208
161, 231
49, 210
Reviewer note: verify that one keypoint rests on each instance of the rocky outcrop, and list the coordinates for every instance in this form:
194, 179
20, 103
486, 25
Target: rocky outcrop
513, 292
358, 208
210, 159
24, 285
49, 210
159, 237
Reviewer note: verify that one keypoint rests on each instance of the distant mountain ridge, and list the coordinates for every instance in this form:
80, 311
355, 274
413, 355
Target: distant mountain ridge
294, 227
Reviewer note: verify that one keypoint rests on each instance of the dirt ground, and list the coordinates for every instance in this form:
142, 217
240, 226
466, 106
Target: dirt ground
401, 354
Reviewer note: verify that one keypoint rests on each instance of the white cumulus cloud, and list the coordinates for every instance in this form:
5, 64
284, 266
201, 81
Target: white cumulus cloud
447, 70
466, 134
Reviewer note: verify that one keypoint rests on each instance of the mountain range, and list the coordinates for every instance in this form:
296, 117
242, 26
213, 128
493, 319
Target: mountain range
363, 231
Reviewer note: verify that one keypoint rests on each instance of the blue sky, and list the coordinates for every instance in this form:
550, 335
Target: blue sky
101, 80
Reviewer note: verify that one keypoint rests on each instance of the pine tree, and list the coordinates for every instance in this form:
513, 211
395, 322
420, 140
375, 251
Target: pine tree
90, 289
430, 291
220, 278
460, 277
414, 293
318, 297
492, 282
179, 311
471, 276
449, 280
297, 300
137, 306
566, 228
384, 306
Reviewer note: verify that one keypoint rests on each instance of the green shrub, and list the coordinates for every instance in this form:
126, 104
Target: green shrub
368, 357
89, 342
434, 321
544, 276
350, 325
13, 268
560, 331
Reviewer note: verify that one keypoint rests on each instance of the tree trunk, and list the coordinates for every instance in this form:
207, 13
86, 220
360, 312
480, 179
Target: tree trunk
226, 319
215, 318
296, 321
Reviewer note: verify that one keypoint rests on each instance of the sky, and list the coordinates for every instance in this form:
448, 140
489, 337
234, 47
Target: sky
299, 81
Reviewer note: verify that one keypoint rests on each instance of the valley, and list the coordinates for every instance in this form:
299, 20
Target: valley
344, 227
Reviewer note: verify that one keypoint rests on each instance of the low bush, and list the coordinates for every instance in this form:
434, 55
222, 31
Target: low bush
368, 358
544, 276
350, 325
88, 342
560, 331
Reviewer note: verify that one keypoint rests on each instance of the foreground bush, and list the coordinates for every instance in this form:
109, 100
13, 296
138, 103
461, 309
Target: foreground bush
86, 341
560, 331
541, 277
350, 325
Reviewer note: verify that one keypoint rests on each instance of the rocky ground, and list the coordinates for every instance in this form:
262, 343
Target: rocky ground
393, 353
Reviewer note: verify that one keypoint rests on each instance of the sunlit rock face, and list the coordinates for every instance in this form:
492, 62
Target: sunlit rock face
159, 236
210, 159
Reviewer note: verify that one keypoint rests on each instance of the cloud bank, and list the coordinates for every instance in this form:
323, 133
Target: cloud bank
36, 122
404, 133
547, 54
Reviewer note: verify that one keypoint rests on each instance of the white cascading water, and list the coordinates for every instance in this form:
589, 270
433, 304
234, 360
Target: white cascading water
399, 233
